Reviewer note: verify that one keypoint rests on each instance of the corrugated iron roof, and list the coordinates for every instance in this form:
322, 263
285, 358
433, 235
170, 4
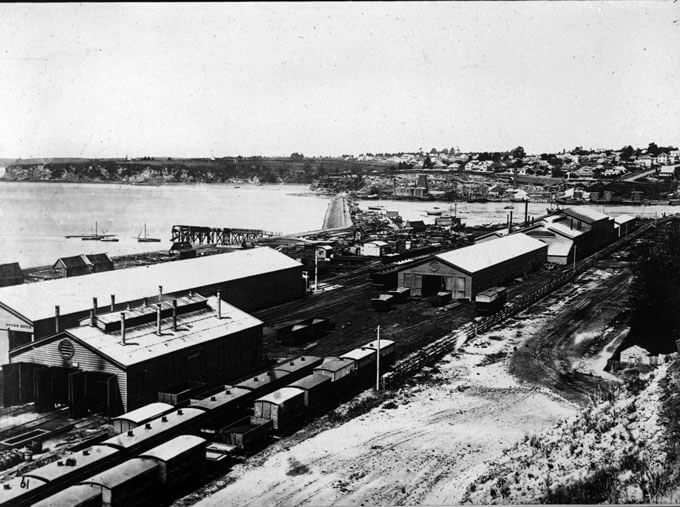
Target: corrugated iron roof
36, 301
483, 255
146, 412
142, 342
122, 473
173, 448
281, 395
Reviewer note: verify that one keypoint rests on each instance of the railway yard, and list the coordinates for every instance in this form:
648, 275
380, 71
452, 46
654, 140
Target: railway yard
426, 441
421, 440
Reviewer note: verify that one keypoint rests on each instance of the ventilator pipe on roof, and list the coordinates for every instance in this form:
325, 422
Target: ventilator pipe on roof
219, 304
158, 319
174, 315
146, 302
94, 305
113, 301
56, 318
160, 293
93, 318
122, 327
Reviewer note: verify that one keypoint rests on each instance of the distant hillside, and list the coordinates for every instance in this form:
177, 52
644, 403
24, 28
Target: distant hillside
169, 170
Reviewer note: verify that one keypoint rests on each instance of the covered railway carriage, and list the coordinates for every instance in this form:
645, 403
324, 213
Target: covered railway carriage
157, 431
284, 407
135, 418
316, 388
387, 351
134, 482
80, 495
49, 479
364, 359
179, 459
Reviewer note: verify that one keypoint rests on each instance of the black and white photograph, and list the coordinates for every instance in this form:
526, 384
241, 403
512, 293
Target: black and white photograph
340, 253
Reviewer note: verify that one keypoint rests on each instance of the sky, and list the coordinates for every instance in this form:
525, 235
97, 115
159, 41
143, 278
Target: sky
182, 80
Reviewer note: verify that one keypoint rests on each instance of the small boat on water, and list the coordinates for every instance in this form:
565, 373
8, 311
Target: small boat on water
109, 239
96, 236
508, 207
143, 238
434, 211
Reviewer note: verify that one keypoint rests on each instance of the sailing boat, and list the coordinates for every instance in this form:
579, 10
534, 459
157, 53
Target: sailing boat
94, 237
146, 239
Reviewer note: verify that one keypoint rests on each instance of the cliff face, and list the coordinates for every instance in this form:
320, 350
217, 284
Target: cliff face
155, 170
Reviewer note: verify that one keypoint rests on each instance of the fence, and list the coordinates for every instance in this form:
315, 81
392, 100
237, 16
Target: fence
439, 348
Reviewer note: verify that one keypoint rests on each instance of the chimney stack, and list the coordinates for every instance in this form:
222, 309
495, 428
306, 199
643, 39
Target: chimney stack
158, 319
146, 302
122, 327
174, 315
219, 304
94, 305
93, 318
113, 301
510, 223
56, 319
160, 293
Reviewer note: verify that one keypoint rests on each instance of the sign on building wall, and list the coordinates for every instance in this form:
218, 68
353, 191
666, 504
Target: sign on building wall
12, 322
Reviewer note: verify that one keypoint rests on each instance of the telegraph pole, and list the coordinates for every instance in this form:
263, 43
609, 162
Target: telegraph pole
377, 364
316, 269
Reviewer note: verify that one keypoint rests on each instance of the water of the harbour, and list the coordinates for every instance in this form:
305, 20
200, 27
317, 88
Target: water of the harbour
497, 212
35, 217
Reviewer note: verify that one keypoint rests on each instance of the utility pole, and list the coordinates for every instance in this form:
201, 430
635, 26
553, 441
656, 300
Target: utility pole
316, 269
574, 256
377, 364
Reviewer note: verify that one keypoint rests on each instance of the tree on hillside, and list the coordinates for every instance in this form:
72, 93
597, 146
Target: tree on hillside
627, 152
427, 163
518, 152
296, 156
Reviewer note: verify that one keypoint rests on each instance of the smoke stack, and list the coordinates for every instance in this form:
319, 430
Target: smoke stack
56, 319
510, 223
93, 321
219, 304
160, 293
174, 315
122, 327
158, 319
94, 305
113, 301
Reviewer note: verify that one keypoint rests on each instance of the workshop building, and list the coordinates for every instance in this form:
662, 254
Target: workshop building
466, 271
249, 279
117, 361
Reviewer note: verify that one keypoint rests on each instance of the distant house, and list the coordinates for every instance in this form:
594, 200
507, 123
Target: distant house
83, 265
100, 262
11, 274
667, 171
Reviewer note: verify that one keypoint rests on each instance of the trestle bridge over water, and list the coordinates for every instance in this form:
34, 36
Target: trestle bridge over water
197, 235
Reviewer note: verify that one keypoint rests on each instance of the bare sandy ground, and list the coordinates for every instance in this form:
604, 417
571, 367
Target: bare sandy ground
425, 451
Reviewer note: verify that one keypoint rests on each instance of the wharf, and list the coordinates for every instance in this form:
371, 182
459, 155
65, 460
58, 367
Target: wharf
337, 214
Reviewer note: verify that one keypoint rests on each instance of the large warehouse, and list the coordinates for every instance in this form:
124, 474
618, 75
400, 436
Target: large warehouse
471, 269
115, 362
249, 279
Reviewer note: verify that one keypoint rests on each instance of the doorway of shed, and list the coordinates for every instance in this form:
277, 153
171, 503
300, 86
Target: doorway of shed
432, 284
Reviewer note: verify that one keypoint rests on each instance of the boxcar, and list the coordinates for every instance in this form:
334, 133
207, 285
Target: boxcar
143, 438
179, 459
387, 351
134, 482
131, 420
225, 406
316, 388
22, 491
336, 368
80, 495
283, 407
